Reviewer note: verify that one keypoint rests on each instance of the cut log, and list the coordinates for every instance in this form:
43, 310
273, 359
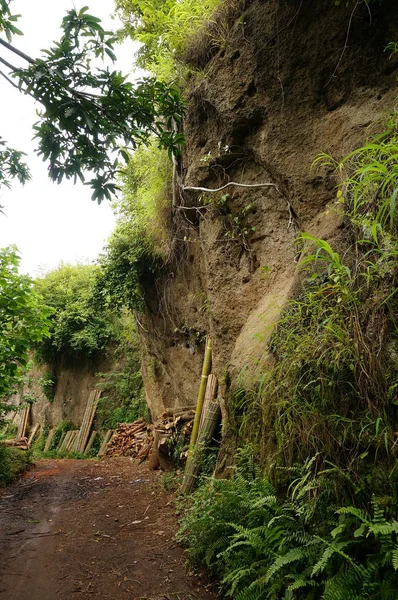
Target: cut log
165, 460
22, 443
174, 412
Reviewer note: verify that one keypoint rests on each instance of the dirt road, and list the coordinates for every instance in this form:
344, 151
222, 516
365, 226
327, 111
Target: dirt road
89, 529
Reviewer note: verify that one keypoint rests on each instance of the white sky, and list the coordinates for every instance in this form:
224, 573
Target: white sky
49, 223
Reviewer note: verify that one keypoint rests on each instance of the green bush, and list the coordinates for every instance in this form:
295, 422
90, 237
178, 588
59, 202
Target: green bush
318, 517
164, 31
13, 462
301, 547
78, 328
122, 399
139, 245
332, 392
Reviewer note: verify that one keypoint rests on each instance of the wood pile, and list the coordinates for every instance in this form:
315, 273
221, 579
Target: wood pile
142, 440
21, 443
131, 439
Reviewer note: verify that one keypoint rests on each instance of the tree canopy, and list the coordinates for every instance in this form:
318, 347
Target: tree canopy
90, 116
77, 326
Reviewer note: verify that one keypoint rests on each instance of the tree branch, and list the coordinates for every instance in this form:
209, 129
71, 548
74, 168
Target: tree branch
7, 64
18, 52
9, 80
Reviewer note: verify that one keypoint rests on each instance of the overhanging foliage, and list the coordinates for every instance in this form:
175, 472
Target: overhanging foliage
90, 116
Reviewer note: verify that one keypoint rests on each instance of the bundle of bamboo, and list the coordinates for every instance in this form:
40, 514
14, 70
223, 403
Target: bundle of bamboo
87, 423
90, 442
68, 441
209, 420
23, 424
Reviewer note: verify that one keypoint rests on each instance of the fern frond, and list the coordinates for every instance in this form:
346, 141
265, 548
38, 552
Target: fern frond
395, 558
292, 556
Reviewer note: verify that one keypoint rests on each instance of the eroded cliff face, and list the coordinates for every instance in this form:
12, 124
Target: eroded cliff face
291, 80
75, 380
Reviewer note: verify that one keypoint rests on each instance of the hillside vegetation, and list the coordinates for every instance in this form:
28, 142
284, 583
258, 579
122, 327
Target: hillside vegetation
311, 510
291, 271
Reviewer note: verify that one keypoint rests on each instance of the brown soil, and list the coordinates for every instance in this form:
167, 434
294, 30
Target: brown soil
86, 529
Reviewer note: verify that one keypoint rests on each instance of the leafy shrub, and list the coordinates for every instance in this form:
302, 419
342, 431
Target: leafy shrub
12, 462
23, 322
48, 384
122, 398
164, 31
320, 519
332, 392
139, 245
77, 326
265, 547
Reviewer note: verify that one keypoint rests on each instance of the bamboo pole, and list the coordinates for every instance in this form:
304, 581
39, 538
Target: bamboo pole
23, 422
20, 426
84, 421
90, 420
49, 440
33, 433
72, 441
107, 438
90, 442
201, 396
67, 440
87, 422
64, 438
211, 419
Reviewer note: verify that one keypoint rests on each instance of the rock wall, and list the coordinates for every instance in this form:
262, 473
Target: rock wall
74, 382
289, 80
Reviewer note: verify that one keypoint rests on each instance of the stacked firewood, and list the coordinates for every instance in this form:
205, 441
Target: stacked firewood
142, 440
131, 439
21, 443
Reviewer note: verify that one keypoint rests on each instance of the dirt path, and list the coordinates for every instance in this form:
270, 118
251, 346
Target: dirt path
87, 529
